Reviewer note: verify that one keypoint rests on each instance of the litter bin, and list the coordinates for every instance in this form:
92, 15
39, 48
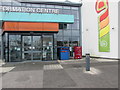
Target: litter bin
64, 53
77, 52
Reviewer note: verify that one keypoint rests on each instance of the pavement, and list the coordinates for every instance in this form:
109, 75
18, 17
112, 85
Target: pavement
60, 74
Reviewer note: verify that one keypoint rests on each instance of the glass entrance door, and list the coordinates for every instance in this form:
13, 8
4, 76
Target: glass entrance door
32, 48
14, 48
47, 47
27, 48
37, 47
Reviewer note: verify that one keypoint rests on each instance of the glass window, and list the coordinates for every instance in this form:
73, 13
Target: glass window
67, 33
59, 43
75, 38
67, 41
50, 6
65, 11
15, 47
60, 26
74, 8
35, 5
76, 14
63, 26
28, 5
66, 7
67, 38
0, 3
55, 40
75, 25
23, 4
69, 26
75, 33
16, 3
43, 5
59, 38
6, 3
55, 36
75, 41
60, 33
58, 7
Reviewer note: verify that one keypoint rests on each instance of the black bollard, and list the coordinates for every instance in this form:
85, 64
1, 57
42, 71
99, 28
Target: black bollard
87, 62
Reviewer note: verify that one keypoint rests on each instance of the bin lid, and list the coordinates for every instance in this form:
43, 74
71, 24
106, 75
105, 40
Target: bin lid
64, 48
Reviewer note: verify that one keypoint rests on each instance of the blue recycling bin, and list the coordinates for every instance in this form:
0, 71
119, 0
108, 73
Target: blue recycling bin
64, 53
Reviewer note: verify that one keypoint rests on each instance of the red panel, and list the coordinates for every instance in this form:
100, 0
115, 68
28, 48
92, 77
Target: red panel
30, 26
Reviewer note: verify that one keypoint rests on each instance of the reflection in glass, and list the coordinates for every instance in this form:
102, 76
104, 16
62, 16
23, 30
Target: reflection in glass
75, 13
75, 25
37, 45
27, 43
37, 56
14, 47
35, 5
32, 48
27, 56
65, 11
60, 7
67, 33
66, 7
75, 8
37, 48
50, 6
15, 3
75, 33
47, 47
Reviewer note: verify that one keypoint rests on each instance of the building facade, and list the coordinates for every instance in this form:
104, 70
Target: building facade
35, 31
91, 28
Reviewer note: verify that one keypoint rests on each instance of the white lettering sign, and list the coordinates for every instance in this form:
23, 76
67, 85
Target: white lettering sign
28, 10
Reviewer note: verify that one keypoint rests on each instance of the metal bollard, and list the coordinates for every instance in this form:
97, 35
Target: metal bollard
87, 62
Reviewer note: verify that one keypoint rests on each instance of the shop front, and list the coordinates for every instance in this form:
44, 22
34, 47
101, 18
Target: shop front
30, 47
36, 32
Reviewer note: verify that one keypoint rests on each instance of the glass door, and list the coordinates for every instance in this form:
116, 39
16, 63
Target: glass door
14, 48
47, 47
32, 48
37, 48
27, 48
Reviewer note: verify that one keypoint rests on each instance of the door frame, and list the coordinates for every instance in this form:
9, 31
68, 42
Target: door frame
41, 35
30, 34
30, 51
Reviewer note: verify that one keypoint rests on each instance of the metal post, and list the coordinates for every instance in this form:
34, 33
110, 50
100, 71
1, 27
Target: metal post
87, 62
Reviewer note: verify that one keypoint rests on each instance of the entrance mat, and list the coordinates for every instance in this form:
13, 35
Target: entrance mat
57, 79
53, 67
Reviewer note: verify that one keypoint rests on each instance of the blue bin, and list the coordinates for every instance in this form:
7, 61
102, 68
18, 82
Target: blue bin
64, 53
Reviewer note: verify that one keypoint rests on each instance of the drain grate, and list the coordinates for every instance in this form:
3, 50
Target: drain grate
53, 67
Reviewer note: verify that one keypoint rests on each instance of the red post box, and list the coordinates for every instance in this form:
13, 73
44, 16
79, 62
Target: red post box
77, 52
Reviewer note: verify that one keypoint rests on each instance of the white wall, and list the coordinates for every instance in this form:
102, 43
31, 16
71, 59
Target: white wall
90, 29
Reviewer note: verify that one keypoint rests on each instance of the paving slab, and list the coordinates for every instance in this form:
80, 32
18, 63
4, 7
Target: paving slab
108, 78
61, 75
57, 79
23, 79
